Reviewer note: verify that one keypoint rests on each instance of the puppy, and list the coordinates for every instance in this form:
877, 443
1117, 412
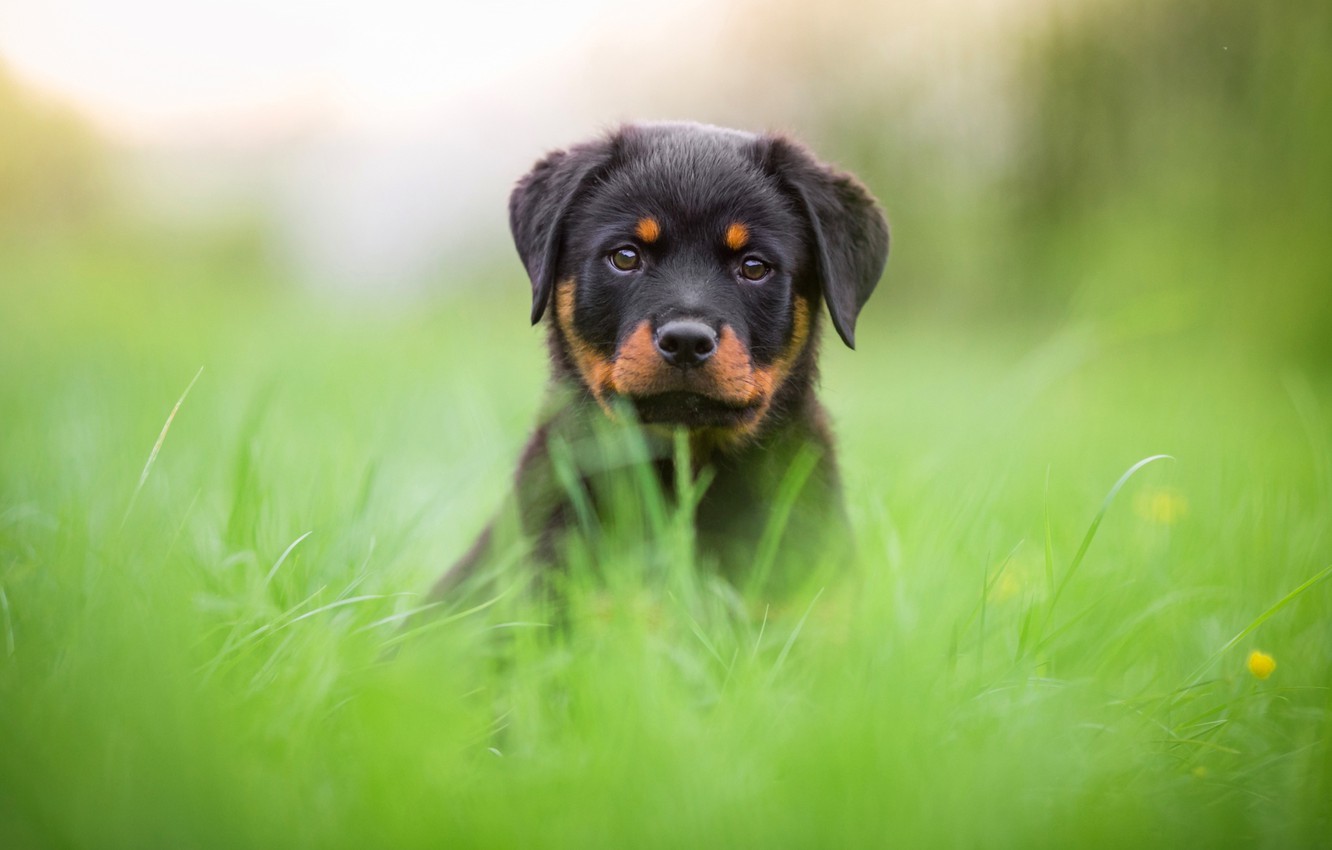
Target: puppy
680, 269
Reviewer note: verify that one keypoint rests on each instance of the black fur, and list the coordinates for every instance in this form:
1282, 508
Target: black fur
538, 207
816, 231
849, 233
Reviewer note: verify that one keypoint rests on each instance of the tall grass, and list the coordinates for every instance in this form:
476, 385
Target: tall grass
203, 624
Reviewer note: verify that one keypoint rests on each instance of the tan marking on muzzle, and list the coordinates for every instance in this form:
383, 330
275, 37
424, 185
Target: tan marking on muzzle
729, 376
766, 380
639, 370
769, 378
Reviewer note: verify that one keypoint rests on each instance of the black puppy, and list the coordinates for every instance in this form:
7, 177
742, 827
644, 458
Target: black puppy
681, 268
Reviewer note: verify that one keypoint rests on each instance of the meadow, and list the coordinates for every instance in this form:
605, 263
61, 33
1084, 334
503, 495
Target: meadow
219, 503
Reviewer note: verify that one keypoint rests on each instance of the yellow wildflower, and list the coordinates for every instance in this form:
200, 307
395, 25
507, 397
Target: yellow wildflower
1007, 586
1161, 505
1016, 579
1261, 664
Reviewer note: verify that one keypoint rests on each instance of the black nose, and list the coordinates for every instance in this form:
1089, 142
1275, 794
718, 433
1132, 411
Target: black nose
686, 344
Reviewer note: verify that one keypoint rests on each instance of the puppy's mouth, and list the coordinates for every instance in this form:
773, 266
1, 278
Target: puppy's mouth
692, 410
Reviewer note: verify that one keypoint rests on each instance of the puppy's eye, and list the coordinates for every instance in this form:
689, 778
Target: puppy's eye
625, 259
754, 269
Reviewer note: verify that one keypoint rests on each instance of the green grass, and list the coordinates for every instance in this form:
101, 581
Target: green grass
215, 658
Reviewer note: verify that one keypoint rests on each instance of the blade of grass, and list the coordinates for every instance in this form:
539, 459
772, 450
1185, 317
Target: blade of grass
698, 631
9, 622
399, 617
567, 476
802, 466
439, 622
1095, 524
330, 606
763, 627
268, 578
157, 447
795, 633
1049, 542
984, 605
987, 585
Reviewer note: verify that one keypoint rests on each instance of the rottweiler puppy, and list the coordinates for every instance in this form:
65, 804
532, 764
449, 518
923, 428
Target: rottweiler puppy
680, 269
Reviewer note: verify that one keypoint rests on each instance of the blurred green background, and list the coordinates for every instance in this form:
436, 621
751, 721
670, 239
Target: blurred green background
1109, 242
1040, 162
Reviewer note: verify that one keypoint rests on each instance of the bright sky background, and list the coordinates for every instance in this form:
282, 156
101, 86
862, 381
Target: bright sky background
162, 70
378, 138
376, 135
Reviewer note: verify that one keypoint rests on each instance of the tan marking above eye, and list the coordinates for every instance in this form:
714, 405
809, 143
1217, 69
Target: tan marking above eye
737, 236
648, 230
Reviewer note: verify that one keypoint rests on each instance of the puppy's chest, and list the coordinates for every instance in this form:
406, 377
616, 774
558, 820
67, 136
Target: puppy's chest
734, 500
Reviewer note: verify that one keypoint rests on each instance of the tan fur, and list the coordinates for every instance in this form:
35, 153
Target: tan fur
595, 369
768, 379
648, 229
640, 371
737, 236
729, 376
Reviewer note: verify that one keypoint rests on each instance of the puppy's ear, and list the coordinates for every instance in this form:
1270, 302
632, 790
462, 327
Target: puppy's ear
848, 230
539, 205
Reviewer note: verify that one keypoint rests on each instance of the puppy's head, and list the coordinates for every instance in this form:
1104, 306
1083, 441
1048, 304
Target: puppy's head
686, 264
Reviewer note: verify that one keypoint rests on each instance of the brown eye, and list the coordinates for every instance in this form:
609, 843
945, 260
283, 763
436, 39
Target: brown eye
755, 270
625, 259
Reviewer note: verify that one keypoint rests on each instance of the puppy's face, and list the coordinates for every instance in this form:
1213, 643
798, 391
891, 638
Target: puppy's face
678, 292
686, 265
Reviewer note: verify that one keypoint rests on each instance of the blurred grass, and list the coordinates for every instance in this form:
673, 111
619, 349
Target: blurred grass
1175, 154
169, 678
1196, 138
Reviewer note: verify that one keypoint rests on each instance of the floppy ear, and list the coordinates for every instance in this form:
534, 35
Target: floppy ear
539, 205
850, 234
